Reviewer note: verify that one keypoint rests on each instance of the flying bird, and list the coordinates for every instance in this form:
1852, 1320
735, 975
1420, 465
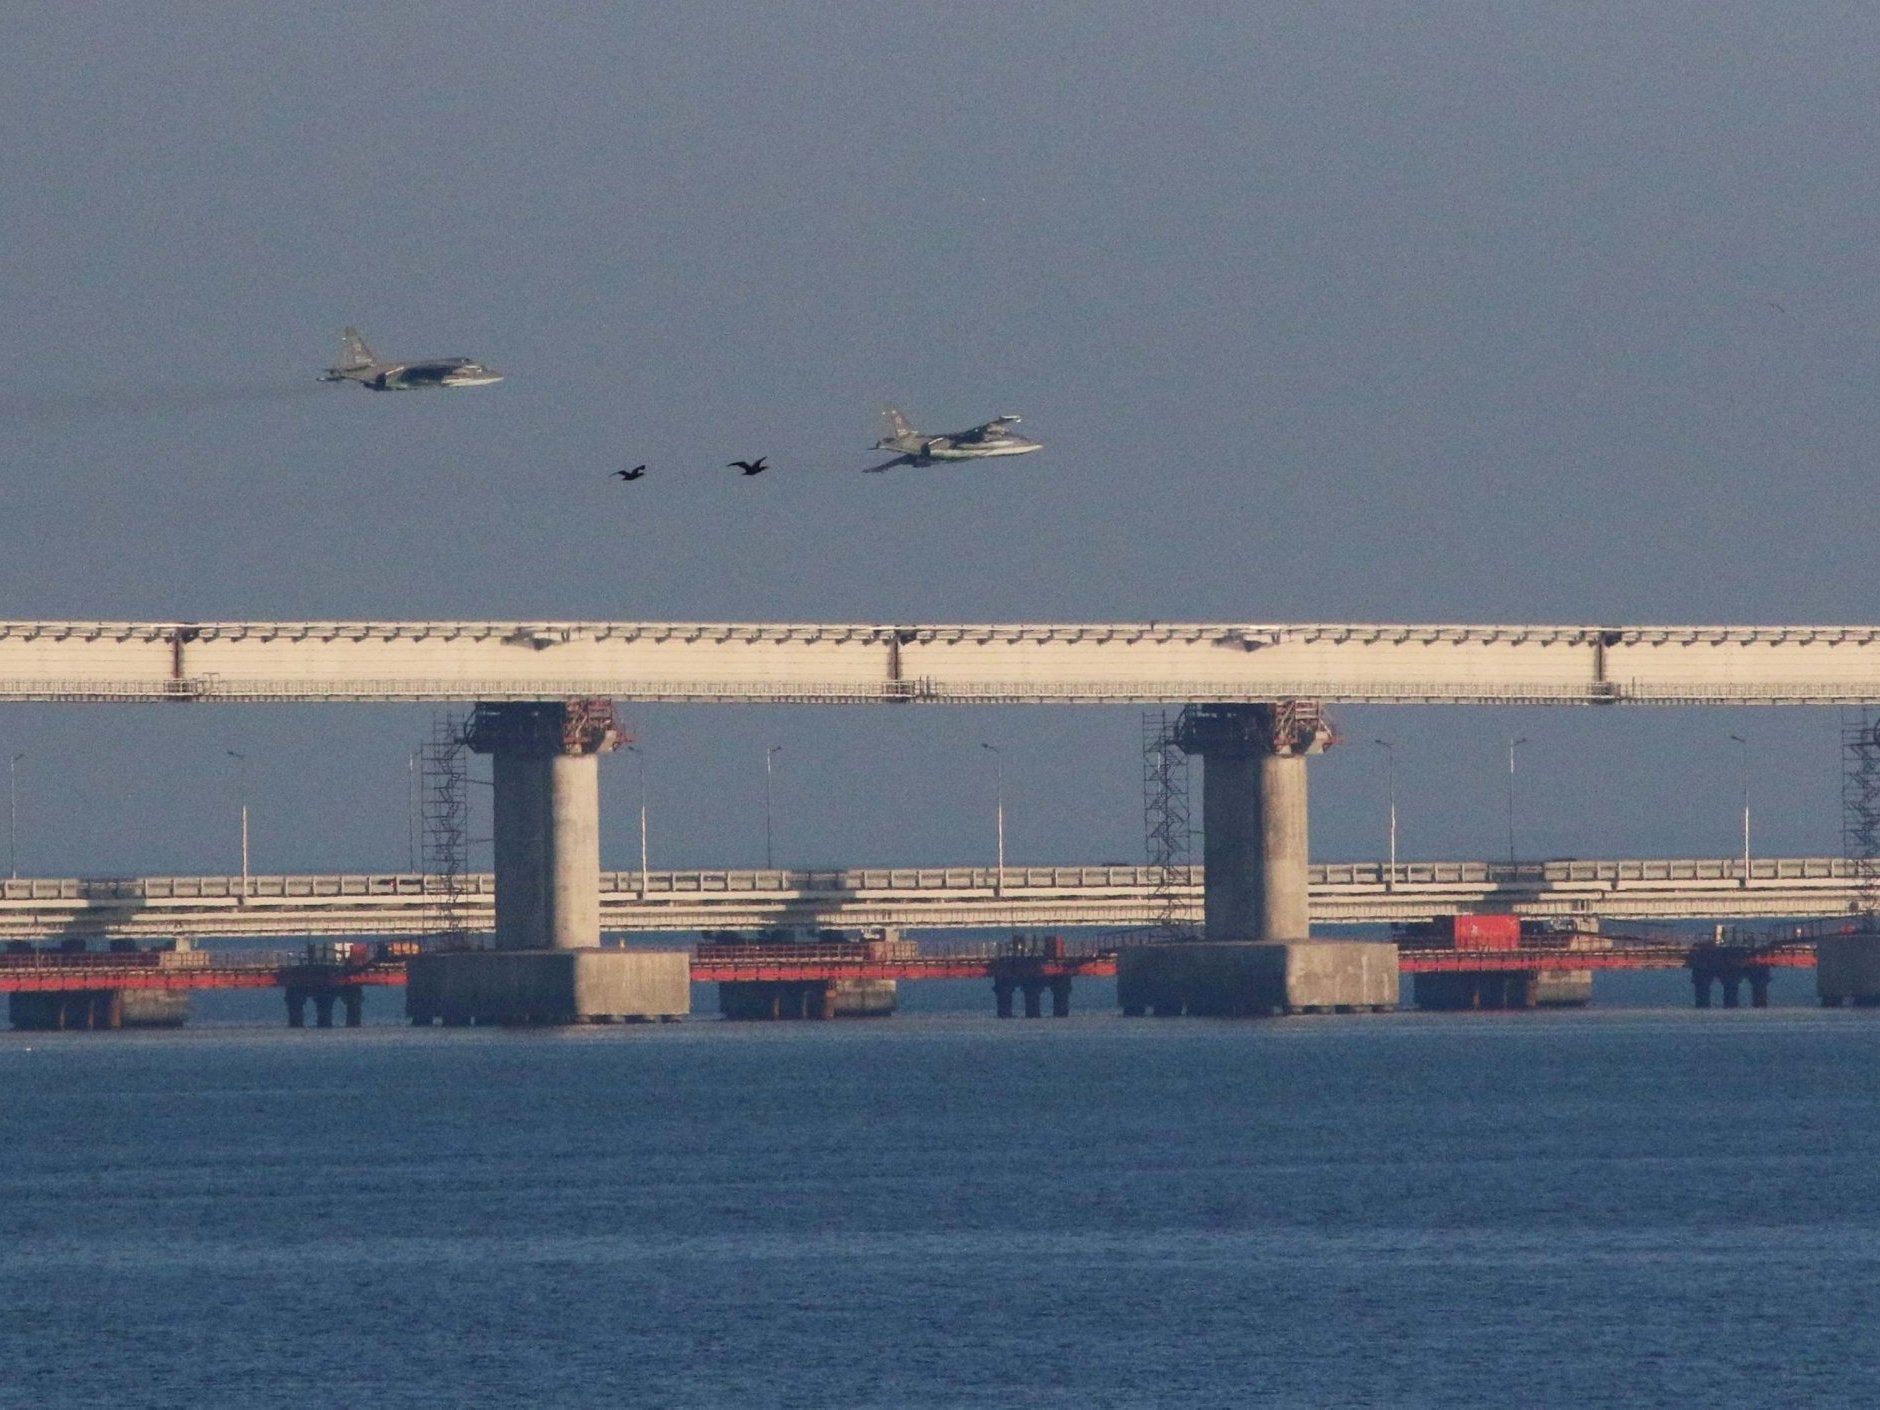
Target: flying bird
750, 467
632, 474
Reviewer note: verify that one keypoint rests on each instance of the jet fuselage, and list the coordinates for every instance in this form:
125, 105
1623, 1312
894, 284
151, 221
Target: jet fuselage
414, 376
357, 364
995, 438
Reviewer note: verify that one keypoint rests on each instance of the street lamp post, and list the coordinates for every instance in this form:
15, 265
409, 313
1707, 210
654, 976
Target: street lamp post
998, 774
1513, 744
1390, 792
770, 755
1745, 743
241, 761
634, 750
13, 815
414, 810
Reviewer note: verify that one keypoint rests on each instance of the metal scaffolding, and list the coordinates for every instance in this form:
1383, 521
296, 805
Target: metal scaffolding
1860, 801
445, 781
1167, 823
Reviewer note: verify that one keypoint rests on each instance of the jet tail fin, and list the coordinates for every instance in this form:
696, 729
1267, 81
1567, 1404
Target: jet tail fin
353, 352
897, 423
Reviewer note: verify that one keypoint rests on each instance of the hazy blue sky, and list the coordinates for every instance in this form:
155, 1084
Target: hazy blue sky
1401, 312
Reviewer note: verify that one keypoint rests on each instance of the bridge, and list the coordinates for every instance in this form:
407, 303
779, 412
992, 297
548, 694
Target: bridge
1254, 696
1014, 663
68, 989
918, 898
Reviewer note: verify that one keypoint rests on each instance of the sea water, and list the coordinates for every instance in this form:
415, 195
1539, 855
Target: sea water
1643, 1205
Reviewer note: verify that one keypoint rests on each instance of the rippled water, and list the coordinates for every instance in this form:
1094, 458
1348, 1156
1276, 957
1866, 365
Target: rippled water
1621, 1206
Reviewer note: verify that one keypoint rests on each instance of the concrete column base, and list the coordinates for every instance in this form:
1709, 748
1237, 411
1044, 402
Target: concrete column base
548, 986
156, 1008
1847, 968
52, 1010
759, 999
1563, 988
1250, 979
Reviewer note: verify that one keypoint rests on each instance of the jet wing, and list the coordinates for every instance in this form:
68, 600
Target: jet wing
889, 464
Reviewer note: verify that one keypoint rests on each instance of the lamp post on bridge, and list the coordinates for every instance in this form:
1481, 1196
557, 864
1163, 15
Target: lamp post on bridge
998, 775
13, 815
1390, 793
1513, 744
414, 810
640, 757
770, 756
1745, 743
241, 761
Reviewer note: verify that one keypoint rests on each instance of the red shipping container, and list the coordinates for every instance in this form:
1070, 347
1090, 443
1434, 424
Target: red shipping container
1480, 932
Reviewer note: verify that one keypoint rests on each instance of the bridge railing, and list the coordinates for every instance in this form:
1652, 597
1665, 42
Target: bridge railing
1805, 932
1352, 684
819, 881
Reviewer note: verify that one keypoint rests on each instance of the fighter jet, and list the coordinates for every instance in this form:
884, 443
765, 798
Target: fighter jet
977, 444
357, 364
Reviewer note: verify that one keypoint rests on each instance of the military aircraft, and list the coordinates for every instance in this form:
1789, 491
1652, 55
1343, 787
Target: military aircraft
977, 444
357, 364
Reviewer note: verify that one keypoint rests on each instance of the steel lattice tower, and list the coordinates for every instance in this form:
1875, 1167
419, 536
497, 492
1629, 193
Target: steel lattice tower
446, 824
1860, 802
1167, 823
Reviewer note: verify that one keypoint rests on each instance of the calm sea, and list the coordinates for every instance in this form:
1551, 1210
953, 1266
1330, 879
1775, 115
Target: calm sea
1640, 1205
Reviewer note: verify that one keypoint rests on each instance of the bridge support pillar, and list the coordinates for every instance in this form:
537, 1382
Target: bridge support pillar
1254, 815
296, 1006
1002, 991
323, 1009
353, 998
1256, 956
548, 967
1061, 997
547, 828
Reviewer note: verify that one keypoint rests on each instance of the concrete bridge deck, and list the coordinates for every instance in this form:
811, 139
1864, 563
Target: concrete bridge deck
1009, 663
919, 898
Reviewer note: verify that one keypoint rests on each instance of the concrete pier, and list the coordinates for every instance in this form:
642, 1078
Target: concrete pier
547, 966
350, 997
1847, 968
1257, 956
806, 998
1257, 979
54, 1010
545, 765
155, 1008
1502, 989
98, 1008
1254, 815
544, 987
